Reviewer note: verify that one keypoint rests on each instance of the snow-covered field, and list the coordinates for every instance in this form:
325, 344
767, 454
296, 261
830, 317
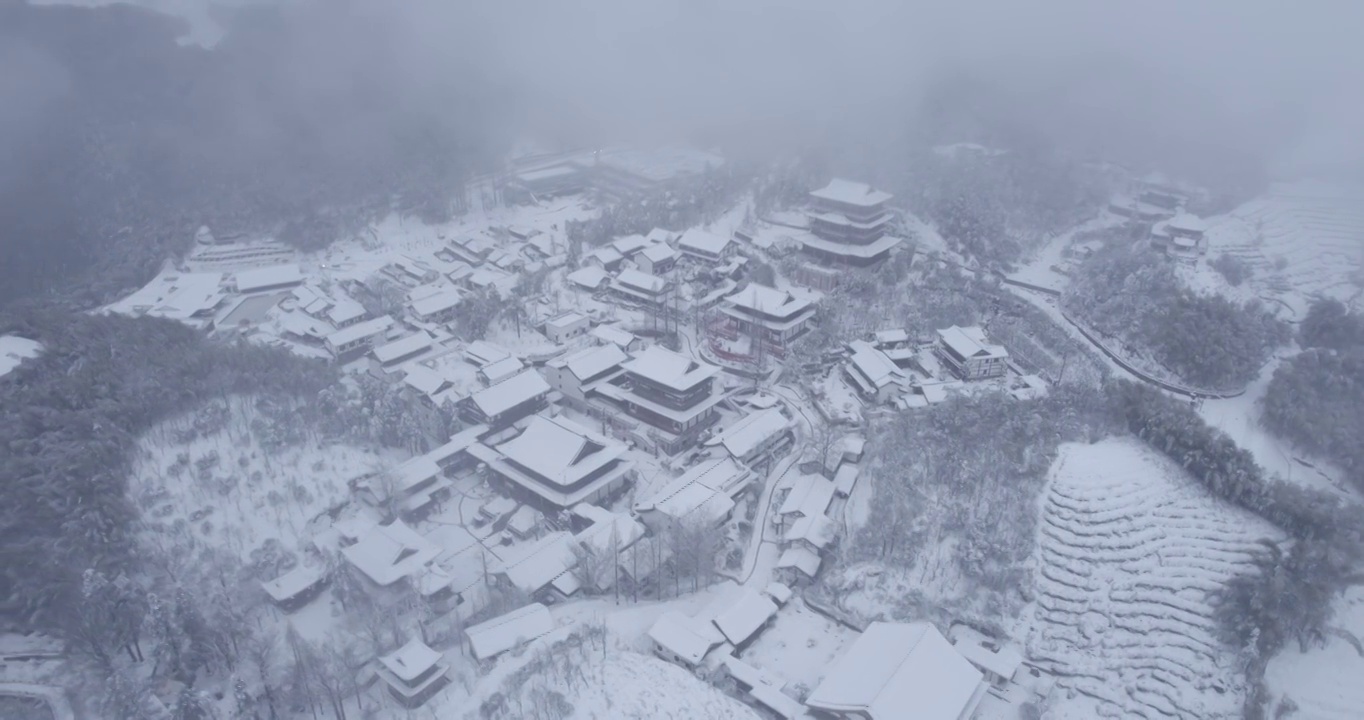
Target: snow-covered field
800, 647
1130, 553
1324, 682
248, 495
581, 676
1303, 239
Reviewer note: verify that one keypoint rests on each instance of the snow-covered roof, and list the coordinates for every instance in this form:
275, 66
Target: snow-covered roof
779, 592
425, 380
15, 350
848, 192
522, 387
873, 364
845, 478
292, 583
535, 565
566, 320
659, 235
753, 430
816, 529
970, 342
389, 553
345, 310
892, 337
800, 557
437, 302
894, 667
673, 370
685, 636
482, 352
360, 331
607, 255
590, 362
703, 241
1187, 222
403, 347
614, 335
768, 301
630, 244
559, 450
411, 660
658, 252
268, 277
523, 521
810, 495
639, 280
589, 276
549, 173
718, 477
745, 616
518, 627
500, 370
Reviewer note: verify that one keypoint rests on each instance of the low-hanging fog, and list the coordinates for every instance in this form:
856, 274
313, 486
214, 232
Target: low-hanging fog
309, 94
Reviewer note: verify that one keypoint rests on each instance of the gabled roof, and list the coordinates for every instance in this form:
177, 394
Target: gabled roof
589, 276
810, 495
900, 670
437, 302
522, 387
533, 566
411, 660
685, 636
752, 430
651, 284
630, 244
425, 380
560, 451
388, 553
745, 616
669, 369
345, 310
520, 626
614, 335
969, 342
502, 369
703, 241
704, 487
799, 557
359, 331
567, 319
768, 301
658, 253
403, 347
874, 365
292, 583
848, 192
659, 235
606, 254
590, 362
482, 352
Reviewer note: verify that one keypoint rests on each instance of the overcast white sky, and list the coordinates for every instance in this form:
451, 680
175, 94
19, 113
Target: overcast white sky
1280, 78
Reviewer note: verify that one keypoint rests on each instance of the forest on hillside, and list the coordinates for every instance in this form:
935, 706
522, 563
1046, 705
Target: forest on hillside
1316, 398
121, 142
1131, 294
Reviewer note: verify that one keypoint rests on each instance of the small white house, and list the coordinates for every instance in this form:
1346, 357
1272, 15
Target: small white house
567, 326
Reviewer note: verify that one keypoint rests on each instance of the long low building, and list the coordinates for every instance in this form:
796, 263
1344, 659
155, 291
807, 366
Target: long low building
705, 491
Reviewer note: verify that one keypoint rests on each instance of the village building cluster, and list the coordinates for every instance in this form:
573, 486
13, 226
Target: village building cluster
624, 407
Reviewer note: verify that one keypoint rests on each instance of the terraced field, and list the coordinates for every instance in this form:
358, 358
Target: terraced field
1129, 555
1302, 239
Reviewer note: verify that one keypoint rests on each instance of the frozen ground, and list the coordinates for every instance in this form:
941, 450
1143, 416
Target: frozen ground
1239, 418
1129, 554
1324, 682
581, 678
246, 497
14, 350
1303, 239
1037, 270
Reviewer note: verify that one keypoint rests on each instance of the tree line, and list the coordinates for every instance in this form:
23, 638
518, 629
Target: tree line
1129, 292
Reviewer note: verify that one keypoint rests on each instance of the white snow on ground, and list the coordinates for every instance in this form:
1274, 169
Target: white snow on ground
14, 350
800, 647
1239, 418
249, 495
1130, 552
1303, 239
1324, 682
1039, 268
599, 684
